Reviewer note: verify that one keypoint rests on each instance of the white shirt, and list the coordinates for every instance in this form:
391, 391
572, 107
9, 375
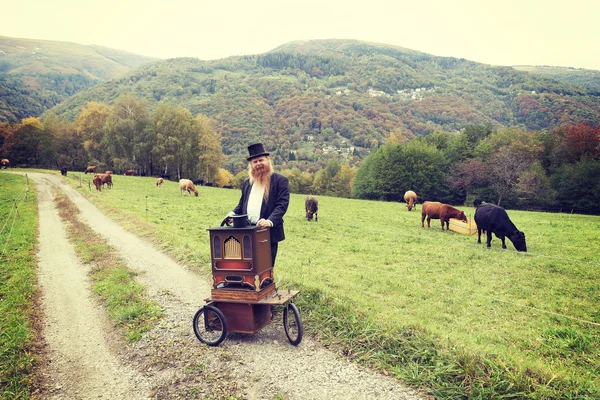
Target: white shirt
255, 203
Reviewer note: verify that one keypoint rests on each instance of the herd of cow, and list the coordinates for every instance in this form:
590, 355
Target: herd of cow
489, 218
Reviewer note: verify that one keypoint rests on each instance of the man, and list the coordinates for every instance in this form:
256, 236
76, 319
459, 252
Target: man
265, 196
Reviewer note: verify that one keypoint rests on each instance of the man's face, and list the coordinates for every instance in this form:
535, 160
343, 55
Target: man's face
259, 163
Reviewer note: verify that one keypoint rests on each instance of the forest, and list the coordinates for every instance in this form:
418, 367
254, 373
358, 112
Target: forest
551, 170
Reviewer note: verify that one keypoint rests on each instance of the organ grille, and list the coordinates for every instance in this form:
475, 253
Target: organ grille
233, 249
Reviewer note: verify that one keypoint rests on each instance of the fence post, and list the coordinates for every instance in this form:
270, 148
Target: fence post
146, 208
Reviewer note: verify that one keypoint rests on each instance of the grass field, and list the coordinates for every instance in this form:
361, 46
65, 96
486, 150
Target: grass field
432, 307
18, 229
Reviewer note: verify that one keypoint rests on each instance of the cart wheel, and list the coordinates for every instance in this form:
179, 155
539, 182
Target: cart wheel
210, 326
292, 324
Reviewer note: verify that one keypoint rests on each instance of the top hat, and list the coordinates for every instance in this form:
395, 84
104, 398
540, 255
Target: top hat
240, 221
256, 150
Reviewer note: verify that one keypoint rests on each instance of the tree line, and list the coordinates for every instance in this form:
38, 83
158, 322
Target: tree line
170, 141
546, 170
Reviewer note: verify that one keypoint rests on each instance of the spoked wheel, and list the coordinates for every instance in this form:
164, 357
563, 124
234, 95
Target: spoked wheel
210, 326
292, 323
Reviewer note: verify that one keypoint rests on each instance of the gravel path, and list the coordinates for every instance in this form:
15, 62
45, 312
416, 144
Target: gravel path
86, 360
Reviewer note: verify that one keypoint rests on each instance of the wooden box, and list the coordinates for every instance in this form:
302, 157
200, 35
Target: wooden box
241, 257
468, 228
243, 317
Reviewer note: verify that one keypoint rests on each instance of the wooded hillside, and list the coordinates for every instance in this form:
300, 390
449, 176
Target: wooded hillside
316, 99
35, 75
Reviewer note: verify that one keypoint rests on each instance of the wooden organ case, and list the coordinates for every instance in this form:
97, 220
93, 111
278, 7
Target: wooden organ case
242, 273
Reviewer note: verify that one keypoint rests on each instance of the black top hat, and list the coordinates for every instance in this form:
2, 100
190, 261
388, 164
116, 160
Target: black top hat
256, 150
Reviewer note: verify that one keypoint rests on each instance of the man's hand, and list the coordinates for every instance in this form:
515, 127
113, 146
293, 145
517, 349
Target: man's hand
264, 223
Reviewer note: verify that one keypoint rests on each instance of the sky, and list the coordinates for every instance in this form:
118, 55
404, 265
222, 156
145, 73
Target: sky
501, 32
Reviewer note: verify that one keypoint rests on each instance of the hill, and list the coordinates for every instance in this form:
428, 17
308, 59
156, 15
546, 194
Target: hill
37, 74
312, 99
587, 78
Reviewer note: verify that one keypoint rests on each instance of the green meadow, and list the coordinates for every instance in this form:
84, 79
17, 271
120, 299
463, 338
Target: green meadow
433, 308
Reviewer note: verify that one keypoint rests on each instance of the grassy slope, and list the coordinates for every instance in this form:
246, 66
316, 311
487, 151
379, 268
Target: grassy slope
17, 284
521, 316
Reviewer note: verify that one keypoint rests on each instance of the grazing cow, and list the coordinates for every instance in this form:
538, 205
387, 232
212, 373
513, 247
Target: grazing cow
97, 181
63, 171
108, 172
5, 163
443, 212
311, 204
186, 184
106, 179
91, 169
494, 219
410, 198
159, 182
130, 172
198, 181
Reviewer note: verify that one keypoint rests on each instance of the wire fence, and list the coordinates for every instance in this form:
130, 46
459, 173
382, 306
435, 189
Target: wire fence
12, 216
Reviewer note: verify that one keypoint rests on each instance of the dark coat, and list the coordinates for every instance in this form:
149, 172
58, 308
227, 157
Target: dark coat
494, 219
274, 209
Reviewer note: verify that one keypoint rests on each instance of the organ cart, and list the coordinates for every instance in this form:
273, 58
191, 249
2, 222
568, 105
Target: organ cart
243, 295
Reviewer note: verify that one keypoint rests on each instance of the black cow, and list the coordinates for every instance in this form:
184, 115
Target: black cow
63, 171
311, 204
494, 219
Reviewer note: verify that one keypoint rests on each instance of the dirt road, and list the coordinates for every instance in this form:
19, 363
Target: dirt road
87, 359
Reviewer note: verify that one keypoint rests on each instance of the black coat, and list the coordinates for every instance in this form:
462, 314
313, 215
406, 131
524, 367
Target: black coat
274, 209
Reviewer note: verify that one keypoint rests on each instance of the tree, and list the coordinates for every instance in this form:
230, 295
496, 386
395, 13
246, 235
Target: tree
393, 169
209, 142
29, 144
577, 185
125, 128
466, 175
341, 183
177, 136
67, 144
534, 187
583, 141
90, 126
223, 178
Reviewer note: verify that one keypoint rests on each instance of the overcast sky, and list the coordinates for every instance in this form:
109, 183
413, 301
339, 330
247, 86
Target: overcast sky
502, 32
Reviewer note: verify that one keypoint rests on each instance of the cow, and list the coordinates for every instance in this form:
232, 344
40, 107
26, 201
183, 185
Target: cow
443, 212
63, 171
159, 182
5, 163
311, 204
97, 181
494, 219
187, 185
130, 172
106, 179
91, 169
410, 198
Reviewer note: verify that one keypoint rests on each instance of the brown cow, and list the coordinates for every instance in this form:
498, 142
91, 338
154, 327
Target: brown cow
130, 172
106, 179
443, 212
5, 163
159, 182
97, 181
186, 184
311, 205
108, 172
91, 169
410, 198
